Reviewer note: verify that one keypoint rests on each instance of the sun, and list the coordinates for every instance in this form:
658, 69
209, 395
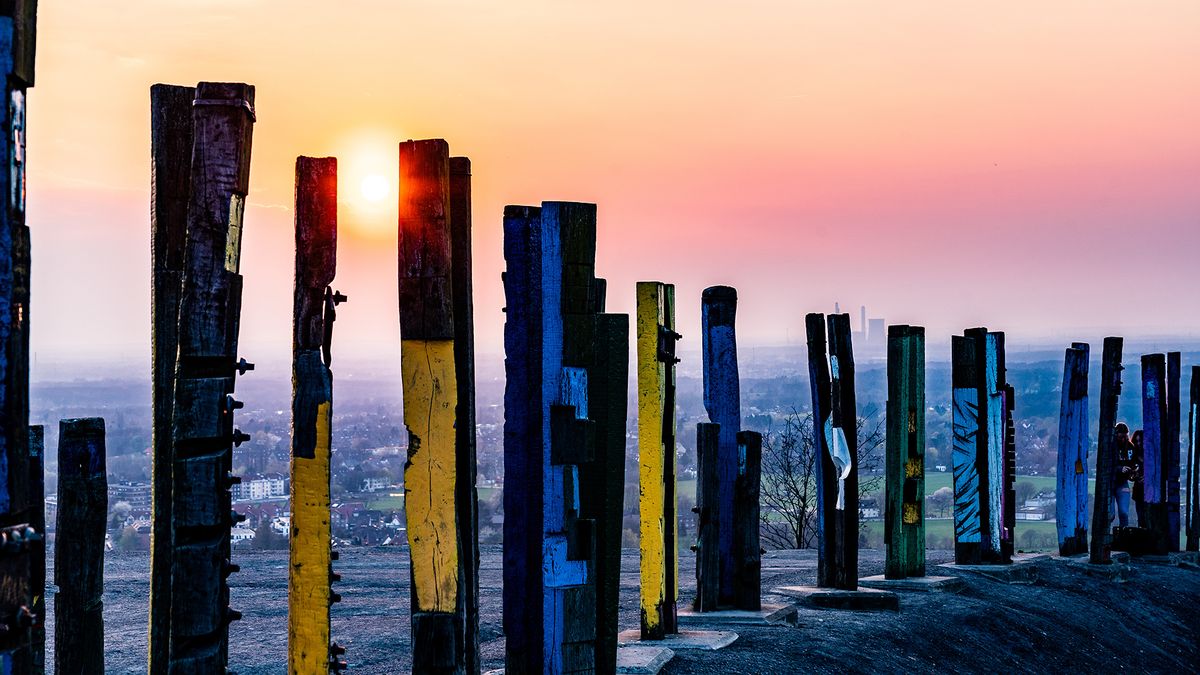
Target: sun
375, 188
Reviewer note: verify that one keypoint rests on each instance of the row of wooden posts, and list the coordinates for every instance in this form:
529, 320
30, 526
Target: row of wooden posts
567, 368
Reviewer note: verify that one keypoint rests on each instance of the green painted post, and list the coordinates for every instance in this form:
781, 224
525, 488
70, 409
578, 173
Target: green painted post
904, 517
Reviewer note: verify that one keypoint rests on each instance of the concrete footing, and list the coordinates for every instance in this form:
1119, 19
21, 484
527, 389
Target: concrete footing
705, 640
926, 584
642, 659
834, 598
1020, 571
769, 615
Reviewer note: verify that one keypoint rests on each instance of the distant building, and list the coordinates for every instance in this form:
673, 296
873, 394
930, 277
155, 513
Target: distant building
876, 333
137, 495
374, 484
241, 534
258, 488
1031, 513
868, 508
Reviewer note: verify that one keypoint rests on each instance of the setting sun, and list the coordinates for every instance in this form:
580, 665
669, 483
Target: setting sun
375, 188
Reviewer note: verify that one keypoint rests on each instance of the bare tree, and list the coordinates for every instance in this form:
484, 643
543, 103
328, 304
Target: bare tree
789, 488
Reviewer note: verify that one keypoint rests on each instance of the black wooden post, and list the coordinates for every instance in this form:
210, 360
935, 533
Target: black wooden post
79, 547
1110, 389
722, 401
170, 180
708, 525
1171, 452
202, 426
18, 37
747, 556
1155, 428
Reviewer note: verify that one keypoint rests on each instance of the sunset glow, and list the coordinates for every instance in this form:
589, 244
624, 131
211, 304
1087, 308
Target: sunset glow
375, 188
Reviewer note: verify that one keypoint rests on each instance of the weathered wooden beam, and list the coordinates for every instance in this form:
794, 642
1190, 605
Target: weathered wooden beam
1074, 445
1192, 520
722, 402
656, 361
522, 440
1154, 434
310, 559
835, 440
17, 502
708, 567
747, 554
984, 455
1171, 452
427, 359
170, 190
904, 516
79, 547
1106, 454
37, 545
203, 435
466, 496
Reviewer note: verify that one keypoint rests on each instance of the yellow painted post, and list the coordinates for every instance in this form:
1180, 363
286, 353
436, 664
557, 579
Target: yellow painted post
656, 457
310, 557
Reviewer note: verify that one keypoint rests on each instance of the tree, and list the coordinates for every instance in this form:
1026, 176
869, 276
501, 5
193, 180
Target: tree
941, 500
267, 539
789, 487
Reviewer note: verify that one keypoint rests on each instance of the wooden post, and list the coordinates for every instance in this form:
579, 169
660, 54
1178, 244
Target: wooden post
1155, 430
466, 496
904, 517
17, 499
1171, 453
1106, 459
708, 569
1193, 465
37, 545
79, 547
656, 360
835, 436
747, 555
550, 602
203, 435
984, 449
722, 401
1073, 449
310, 569
170, 172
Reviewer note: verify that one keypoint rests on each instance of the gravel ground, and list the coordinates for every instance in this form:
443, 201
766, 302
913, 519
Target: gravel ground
1067, 621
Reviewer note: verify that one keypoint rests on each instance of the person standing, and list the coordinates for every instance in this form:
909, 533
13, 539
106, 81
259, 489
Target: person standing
1123, 474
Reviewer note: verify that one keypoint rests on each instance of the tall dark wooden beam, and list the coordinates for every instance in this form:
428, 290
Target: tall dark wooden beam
819, 383
170, 190
1192, 520
466, 495
1106, 460
708, 569
17, 495
1074, 446
202, 426
904, 516
747, 554
310, 571
1171, 452
722, 402
1155, 431
79, 547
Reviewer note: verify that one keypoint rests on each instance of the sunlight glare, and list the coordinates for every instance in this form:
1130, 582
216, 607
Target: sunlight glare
374, 188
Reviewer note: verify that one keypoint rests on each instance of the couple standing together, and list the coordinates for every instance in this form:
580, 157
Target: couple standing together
1128, 478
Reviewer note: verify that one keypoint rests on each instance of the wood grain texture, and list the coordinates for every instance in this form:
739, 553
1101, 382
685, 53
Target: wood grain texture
426, 294
708, 569
1192, 507
1074, 446
747, 554
904, 464
651, 378
79, 547
820, 387
722, 402
202, 423
1106, 459
170, 191
843, 518
309, 552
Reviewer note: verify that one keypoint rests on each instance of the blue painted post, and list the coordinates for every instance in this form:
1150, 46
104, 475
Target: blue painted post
17, 496
984, 449
1154, 413
722, 401
1073, 447
551, 613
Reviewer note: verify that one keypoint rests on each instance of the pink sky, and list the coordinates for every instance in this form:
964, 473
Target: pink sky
1034, 167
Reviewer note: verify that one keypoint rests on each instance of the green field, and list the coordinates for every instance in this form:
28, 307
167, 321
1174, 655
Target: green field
392, 501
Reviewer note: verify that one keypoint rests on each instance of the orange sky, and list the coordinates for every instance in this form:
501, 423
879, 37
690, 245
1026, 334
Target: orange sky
1034, 166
